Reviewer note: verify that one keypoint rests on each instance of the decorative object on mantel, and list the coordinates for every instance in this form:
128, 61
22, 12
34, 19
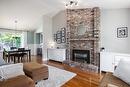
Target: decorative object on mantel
122, 32
102, 49
81, 29
96, 33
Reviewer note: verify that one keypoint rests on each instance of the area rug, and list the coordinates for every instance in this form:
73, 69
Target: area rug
57, 77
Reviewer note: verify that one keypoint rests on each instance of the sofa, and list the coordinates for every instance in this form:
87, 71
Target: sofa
18, 81
109, 80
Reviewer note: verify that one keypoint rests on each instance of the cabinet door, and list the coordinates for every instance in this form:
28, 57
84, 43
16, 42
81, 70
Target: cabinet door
61, 55
56, 54
51, 54
106, 62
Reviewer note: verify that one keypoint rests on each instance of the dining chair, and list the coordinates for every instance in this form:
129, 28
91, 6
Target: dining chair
22, 53
8, 58
12, 48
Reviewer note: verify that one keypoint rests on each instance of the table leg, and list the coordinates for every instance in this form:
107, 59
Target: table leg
29, 56
8, 57
14, 59
3, 55
18, 59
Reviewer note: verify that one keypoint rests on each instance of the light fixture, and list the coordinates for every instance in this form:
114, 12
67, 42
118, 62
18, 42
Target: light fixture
71, 3
51, 44
16, 22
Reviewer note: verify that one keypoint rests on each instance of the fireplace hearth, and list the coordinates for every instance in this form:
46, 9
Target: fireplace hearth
82, 56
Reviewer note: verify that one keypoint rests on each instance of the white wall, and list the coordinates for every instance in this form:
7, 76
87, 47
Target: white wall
47, 34
26, 45
110, 21
24, 39
35, 45
40, 29
58, 22
46, 29
129, 27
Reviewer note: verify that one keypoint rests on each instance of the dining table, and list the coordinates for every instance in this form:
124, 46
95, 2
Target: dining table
16, 51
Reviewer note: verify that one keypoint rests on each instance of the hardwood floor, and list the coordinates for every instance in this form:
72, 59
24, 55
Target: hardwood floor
82, 79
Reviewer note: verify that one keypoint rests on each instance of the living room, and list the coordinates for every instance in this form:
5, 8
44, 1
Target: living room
68, 43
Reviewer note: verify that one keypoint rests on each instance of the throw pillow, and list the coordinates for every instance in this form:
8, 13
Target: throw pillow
12, 70
2, 62
123, 71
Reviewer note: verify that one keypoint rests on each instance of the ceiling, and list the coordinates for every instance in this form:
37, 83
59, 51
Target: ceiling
29, 13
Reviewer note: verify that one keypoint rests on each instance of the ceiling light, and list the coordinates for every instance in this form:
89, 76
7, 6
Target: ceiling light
16, 22
71, 3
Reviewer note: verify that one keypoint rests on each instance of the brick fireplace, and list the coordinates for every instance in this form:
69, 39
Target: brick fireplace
89, 41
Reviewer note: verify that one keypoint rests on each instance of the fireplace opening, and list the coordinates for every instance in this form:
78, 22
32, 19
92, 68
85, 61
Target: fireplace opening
81, 56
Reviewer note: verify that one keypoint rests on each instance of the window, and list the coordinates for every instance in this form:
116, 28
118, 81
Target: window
8, 40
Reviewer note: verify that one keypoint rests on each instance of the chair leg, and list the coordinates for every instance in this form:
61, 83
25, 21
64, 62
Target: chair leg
14, 59
18, 59
27, 58
5, 58
22, 58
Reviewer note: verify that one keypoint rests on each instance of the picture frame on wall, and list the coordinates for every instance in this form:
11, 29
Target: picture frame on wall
58, 41
63, 39
122, 32
63, 32
58, 34
55, 37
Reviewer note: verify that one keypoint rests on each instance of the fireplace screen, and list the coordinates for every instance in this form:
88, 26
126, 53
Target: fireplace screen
81, 56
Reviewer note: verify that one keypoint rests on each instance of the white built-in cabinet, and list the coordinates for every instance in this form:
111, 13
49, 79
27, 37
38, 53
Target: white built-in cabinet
108, 60
56, 54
